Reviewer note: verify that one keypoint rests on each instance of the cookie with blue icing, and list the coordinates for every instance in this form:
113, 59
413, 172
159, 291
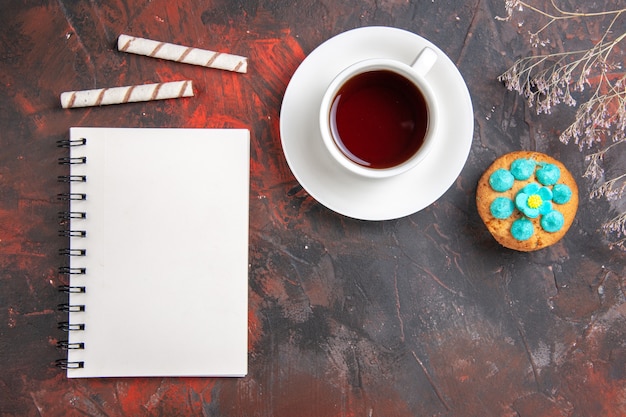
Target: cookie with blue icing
527, 200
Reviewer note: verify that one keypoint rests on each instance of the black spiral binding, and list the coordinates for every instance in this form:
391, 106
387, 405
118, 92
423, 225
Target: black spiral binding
65, 143
64, 217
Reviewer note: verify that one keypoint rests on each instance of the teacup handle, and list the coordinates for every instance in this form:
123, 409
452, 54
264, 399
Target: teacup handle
424, 61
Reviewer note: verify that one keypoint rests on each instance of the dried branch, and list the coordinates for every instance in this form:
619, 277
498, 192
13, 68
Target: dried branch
548, 79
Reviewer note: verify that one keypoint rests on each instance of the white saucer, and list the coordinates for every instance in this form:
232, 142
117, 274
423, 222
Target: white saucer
334, 186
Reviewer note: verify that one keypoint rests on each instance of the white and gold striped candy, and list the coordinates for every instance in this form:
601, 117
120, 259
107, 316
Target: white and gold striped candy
127, 94
179, 53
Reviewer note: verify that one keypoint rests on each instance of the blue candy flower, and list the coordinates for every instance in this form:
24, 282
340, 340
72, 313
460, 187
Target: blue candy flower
534, 200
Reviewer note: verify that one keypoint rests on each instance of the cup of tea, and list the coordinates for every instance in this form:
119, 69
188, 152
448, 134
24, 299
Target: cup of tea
379, 117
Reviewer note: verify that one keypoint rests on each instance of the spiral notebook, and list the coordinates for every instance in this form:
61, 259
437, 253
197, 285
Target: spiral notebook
158, 252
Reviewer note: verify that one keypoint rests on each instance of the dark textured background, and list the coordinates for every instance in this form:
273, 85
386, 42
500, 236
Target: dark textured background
420, 316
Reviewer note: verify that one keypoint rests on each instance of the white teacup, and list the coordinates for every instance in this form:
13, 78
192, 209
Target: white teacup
379, 117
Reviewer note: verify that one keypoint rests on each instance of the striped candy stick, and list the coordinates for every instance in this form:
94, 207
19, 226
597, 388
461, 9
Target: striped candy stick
127, 94
185, 54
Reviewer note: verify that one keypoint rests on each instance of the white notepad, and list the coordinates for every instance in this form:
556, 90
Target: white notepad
166, 264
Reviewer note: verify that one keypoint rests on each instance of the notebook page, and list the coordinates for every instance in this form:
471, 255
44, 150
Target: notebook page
167, 252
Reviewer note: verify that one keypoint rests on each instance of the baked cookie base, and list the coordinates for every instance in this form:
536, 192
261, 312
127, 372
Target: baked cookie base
501, 228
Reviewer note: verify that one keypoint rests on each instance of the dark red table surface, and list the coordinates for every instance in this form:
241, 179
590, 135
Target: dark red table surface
420, 316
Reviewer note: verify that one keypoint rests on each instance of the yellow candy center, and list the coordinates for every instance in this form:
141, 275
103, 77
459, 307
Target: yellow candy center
534, 201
